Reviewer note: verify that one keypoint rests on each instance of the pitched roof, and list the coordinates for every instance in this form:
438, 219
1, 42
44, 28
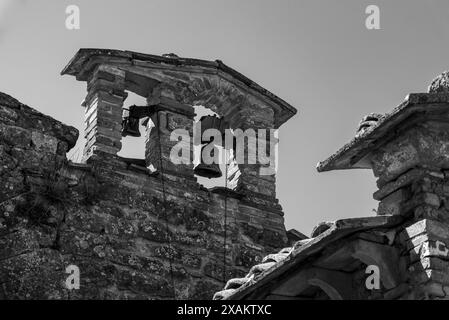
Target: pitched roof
274, 266
82, 57
356, 154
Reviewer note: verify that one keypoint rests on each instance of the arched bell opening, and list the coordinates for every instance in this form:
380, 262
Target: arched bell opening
133, 131
136, 119
216, 174
169, 97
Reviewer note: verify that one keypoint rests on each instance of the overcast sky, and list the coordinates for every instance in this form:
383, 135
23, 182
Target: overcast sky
315, 54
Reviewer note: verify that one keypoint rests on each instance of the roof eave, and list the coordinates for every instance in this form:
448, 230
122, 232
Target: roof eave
84, 54
356, 153
339, 230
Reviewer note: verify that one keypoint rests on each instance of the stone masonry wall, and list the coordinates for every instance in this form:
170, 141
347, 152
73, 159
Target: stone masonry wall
414, 183
133, 235
422, 196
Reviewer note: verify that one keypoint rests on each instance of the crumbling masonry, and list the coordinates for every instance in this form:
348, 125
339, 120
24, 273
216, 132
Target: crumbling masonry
134, 233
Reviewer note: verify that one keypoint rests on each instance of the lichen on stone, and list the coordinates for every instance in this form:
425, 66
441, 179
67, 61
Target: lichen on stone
440, 83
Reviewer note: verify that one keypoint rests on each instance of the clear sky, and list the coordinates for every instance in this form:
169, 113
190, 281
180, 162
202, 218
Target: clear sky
315, 54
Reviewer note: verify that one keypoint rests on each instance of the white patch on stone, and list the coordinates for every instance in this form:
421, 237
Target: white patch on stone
44, 142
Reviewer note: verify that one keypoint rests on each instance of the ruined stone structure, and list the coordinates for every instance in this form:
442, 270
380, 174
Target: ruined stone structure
146, 229
134, 233
408, 241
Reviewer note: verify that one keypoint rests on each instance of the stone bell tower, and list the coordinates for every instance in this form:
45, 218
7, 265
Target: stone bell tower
206, 236
172, 86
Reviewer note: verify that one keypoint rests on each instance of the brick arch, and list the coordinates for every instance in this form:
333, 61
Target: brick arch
212, 91
240, 110
217, 95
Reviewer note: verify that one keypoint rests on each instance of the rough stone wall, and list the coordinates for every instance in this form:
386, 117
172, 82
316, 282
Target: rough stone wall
413, 183
32, 150
133, 235
422, 196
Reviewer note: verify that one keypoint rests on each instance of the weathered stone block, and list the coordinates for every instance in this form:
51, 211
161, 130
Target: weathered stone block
394, 203
15, 136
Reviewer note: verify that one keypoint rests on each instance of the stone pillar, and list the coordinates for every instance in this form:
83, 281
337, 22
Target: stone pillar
411, 169
162, 151
259, 213
256, 179
103, 111
414, 183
